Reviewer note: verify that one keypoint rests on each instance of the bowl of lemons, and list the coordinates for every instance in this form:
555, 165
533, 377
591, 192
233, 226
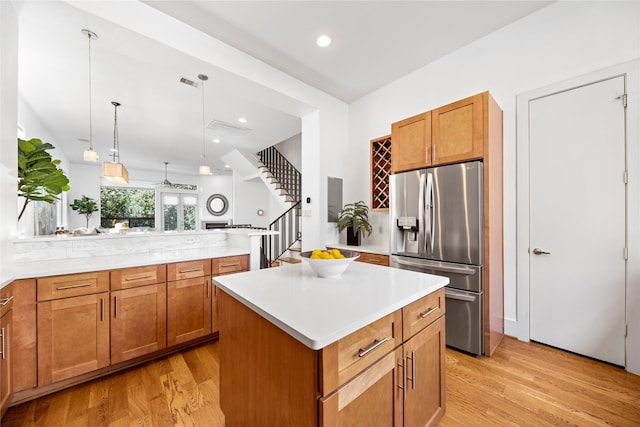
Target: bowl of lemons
330, 263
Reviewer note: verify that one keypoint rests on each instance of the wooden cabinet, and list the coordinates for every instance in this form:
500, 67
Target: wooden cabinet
219, 267
372, 258
73, 325
373, 399
411, 147
138, 312
188, 301
380, 170
424, 361
457, 131
6, 353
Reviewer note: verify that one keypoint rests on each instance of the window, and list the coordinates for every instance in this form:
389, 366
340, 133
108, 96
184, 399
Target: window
134, 206
179, 212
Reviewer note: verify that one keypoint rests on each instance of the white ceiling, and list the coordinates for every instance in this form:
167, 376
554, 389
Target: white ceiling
374, 43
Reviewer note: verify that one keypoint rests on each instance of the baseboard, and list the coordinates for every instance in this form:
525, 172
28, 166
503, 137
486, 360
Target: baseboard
511, 327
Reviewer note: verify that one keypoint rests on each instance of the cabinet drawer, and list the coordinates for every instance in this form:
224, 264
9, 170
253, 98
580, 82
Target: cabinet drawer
6, 299
421, 313
71, 285
138, 276
374, 258
230, 264
188, 269
358, 350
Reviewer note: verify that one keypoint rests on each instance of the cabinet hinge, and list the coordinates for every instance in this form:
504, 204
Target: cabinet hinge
625, 177
625, 253
623, 98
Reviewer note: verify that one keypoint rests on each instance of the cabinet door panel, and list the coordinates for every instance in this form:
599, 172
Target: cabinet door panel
411, 143
73, 337
138, 321
425, 353
188, 309
6, 374
373, 398
458, 133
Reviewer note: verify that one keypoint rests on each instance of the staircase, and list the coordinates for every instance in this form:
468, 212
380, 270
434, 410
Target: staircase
285, 181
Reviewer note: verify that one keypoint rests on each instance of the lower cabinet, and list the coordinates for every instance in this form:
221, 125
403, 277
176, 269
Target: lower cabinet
424, 357
73, 337
373, 398
188, 309
138, 321
6, 374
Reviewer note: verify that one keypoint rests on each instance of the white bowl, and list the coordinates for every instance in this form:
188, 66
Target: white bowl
330, 268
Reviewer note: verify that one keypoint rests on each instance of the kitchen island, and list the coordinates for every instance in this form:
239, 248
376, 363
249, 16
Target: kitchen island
298, 350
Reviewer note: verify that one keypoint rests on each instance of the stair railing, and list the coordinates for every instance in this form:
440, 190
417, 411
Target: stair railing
288, 226
287, 175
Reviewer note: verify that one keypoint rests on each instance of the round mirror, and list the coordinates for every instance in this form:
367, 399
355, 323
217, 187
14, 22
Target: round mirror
217, 204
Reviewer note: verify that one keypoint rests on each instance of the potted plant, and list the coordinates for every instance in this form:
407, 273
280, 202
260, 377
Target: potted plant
355, 218
39, 177
85, 206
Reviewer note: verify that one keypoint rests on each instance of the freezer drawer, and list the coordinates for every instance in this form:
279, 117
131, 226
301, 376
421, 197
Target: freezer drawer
461, 276
464, 321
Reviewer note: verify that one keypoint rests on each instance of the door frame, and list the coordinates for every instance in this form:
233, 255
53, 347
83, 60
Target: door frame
631, 70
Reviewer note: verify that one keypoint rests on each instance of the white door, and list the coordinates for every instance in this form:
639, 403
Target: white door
577, 215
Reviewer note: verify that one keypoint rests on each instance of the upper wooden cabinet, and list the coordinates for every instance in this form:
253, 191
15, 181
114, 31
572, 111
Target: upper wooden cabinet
449, 134
411, 143
457, 131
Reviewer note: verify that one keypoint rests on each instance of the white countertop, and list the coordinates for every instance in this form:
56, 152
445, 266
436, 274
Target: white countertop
380, 250
36, 269
318, 312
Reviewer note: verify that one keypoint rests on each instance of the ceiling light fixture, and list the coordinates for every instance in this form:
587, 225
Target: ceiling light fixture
242, 120
323, 40
90, 155
204, 169
216, 140
115, 171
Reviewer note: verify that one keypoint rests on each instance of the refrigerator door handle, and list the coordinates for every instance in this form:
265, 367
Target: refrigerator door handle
428, 218
448, 268
422, 224
459, 295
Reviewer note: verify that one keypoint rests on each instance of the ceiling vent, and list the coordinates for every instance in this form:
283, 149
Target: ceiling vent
218, 124
188, 82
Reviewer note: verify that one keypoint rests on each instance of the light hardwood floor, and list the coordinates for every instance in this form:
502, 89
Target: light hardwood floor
524, 384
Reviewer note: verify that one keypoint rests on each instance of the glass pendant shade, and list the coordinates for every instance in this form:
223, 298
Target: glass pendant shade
204, 170
90, 155
115, 172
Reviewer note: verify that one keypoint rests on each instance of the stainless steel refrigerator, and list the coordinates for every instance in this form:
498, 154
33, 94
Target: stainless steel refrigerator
437, 227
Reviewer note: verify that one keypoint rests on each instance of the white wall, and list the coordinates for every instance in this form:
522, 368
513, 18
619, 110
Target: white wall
249, 196
563, 40
8, 142
291, 149
216, 184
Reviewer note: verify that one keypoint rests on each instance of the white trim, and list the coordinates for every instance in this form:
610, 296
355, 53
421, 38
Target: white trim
631, 71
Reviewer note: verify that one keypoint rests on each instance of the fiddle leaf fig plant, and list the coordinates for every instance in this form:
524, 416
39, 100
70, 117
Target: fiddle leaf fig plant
355, 215
85, 206
39, 177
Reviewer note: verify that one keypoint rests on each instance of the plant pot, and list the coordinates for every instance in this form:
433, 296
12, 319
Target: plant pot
353, 240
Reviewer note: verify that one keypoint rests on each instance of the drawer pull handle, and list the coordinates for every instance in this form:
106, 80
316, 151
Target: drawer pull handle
146, 276
5, 301
191, 270
428, 312
102, 309
3, 348
376, 343
80, 285
234, 264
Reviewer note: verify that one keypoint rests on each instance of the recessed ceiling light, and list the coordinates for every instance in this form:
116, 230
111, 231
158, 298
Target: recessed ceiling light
323, 41
242, 120
227, 166
216, 140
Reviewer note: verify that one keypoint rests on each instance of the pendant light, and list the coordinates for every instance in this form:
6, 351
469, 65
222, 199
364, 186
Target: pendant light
90, 155
115, 171
204, 169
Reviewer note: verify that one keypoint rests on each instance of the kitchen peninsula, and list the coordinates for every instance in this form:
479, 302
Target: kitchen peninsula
298, 350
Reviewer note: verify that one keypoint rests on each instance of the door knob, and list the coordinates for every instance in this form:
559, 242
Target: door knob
538, 251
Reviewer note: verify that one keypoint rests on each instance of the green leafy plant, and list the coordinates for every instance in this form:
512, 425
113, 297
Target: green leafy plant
85, 206
355, 215
39, 177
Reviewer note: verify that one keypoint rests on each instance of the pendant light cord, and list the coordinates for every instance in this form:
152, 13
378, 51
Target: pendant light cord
90, 112
116, 145
204, 149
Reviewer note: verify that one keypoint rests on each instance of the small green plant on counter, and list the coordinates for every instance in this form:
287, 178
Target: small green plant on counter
39, 177
85, 206
356, 216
